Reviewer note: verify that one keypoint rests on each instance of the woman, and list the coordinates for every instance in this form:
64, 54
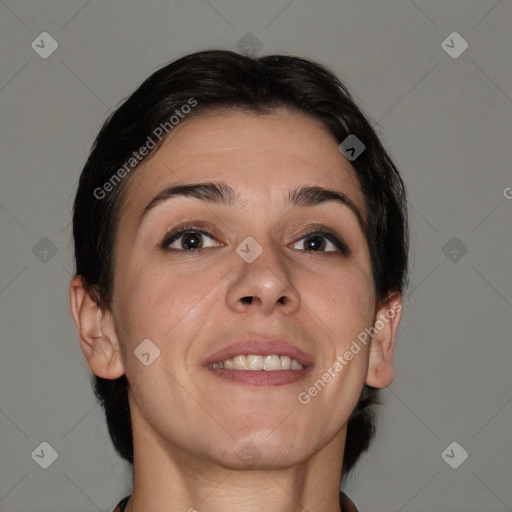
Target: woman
241, 252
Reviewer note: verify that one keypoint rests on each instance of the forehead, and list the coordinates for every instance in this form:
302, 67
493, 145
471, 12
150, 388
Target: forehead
263, 156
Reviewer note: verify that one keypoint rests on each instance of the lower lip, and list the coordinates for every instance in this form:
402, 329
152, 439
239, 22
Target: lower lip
260, 377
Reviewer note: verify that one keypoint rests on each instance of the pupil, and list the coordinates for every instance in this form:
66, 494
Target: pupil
314, 242
195, 243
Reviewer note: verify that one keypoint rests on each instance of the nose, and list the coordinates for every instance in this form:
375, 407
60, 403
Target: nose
263, 285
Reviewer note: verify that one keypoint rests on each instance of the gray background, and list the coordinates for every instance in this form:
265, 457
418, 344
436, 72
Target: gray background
447, 124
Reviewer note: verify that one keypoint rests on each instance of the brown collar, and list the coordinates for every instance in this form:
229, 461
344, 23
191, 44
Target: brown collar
346, 504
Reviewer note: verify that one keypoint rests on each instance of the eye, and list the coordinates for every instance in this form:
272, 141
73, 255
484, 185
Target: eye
322, 240
192, 239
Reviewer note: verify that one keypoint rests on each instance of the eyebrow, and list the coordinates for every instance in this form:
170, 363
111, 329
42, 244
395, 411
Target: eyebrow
222, 193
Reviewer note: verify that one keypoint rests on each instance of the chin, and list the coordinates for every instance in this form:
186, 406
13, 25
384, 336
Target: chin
264, 449
259, 456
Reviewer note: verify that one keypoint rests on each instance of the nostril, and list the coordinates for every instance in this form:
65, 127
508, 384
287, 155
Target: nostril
247, 300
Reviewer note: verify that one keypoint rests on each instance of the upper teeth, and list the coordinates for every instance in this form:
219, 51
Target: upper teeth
253, 362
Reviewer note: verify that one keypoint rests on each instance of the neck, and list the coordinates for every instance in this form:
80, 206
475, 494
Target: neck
167, 476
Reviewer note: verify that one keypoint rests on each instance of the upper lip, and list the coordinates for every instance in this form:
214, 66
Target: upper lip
258, 345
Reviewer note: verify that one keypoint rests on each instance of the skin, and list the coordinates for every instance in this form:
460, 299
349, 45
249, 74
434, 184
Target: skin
188, 424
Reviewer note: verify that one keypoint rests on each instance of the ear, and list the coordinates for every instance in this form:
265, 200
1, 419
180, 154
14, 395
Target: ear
386, 322
96, 333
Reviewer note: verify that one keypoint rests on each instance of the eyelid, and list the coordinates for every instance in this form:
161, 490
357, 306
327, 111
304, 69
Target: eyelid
320, 229
176, 233
326, 232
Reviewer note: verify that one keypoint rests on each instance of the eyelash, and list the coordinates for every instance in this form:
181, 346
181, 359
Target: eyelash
317, 230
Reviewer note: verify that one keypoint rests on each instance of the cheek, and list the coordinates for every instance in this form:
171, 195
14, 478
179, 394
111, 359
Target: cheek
157, 301
343, 306
344, 301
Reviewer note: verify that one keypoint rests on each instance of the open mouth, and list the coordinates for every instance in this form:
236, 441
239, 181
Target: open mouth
260, 362
268, 363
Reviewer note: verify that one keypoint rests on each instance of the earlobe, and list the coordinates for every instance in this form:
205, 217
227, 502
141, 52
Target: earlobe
96, 333
386, 322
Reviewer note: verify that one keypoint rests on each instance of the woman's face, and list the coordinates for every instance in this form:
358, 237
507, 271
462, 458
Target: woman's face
309, 290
